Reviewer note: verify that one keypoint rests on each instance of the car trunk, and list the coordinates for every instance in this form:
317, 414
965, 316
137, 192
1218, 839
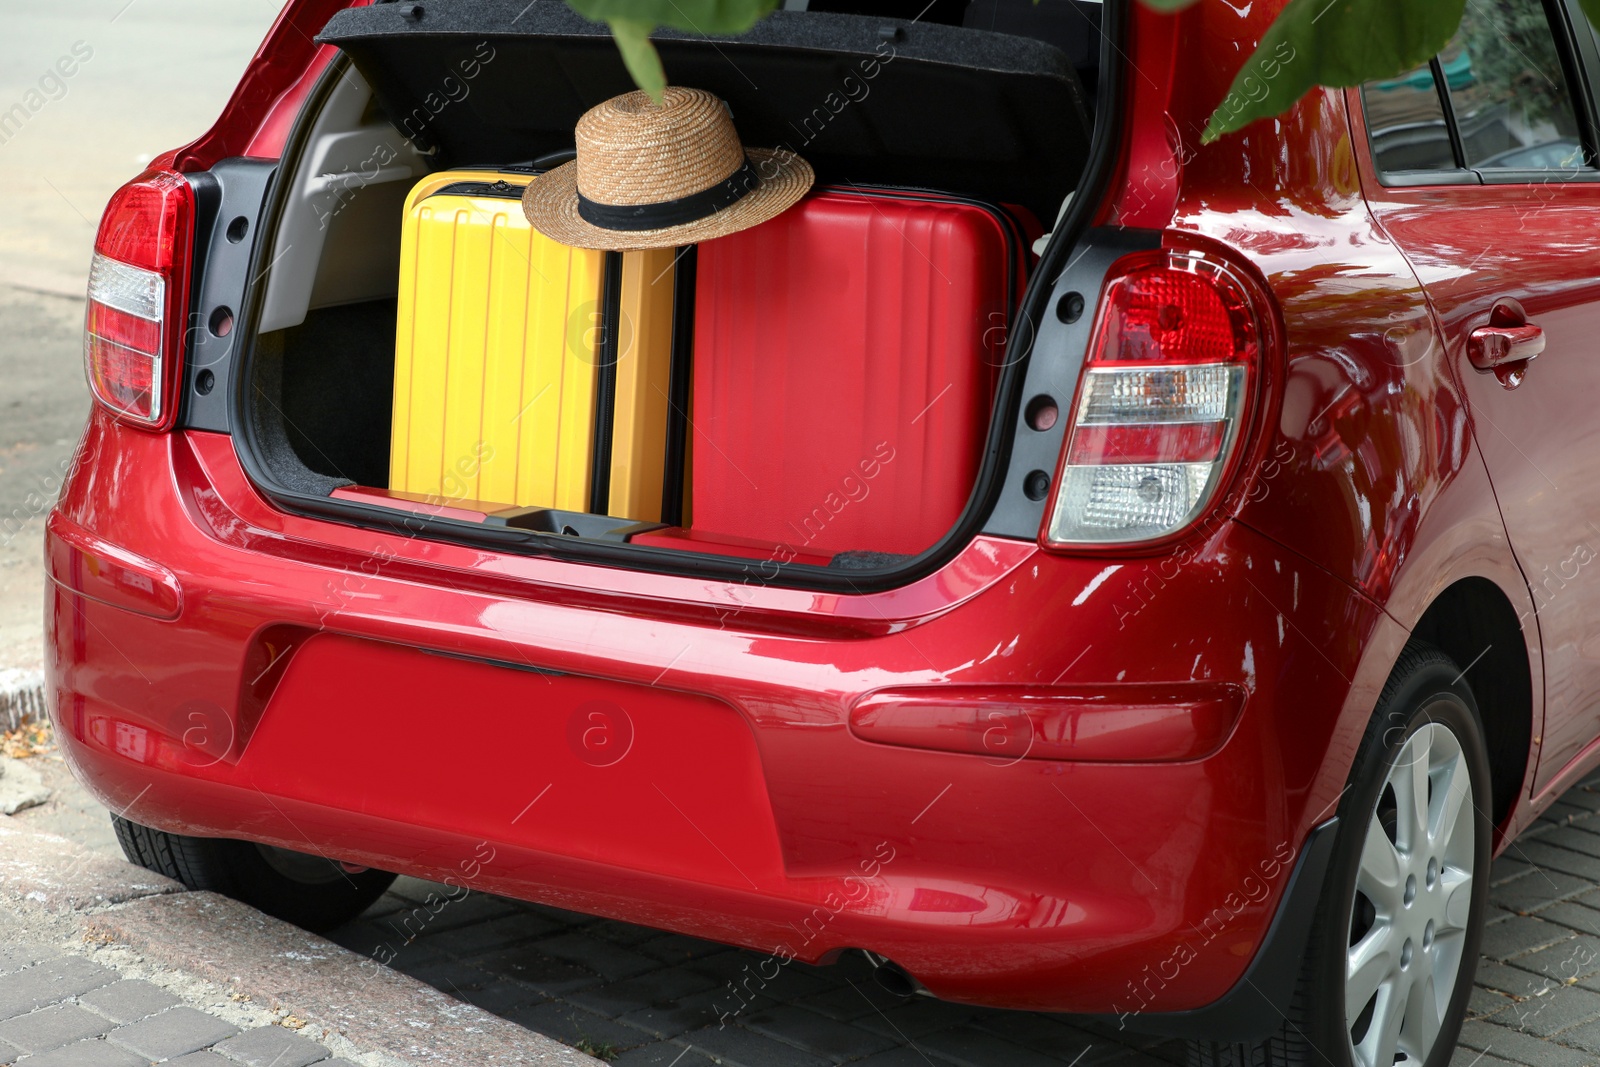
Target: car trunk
815, 392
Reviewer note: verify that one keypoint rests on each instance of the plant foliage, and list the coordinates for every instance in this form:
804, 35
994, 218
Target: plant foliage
632, 22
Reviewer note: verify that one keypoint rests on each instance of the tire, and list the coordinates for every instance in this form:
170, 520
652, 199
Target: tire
309, 891
1428, 919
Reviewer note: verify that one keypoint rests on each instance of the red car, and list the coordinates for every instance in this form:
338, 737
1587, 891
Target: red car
1259, 622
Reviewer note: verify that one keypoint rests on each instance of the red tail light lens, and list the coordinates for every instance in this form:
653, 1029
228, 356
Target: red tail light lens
138, 298
1175, 354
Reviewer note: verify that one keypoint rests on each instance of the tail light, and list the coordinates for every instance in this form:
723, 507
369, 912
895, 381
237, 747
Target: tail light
1174, 357
138, 298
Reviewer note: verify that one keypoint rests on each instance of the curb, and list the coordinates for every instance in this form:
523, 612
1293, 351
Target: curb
21, 694
279, 966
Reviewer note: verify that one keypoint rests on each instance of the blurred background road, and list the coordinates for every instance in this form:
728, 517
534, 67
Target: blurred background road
90, 91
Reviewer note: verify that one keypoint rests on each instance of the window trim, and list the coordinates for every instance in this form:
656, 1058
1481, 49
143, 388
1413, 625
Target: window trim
1579, 55
1447, 107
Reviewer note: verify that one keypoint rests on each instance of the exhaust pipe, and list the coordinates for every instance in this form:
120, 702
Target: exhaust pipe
894, 978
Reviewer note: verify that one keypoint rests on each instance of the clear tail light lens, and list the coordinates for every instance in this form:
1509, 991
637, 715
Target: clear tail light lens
138, 298
1164, 393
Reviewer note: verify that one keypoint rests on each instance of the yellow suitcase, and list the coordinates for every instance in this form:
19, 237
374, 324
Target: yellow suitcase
505, 390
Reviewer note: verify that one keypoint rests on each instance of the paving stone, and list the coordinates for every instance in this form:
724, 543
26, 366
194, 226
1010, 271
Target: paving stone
1537, 890
1580, 797
1521, 934
15, 956
494, 934
1505, 978
207, 1059
794, 980
503, 995
1561, 813
96, 1053
1492, 1037
1485, 1003
1560, 1009
52, 1027
550, 977
414, 890
664, 1054
739, 1047
560, 916
622, 933
1466, 1057
1042, 1033
1548, 857
677, 948
761, 976
1586, 1037
272, 1046
368, 938
610, 961
663, 988
1106, 1055
895, 1057
971, 1047
49, 982
390, 901
910, 1019
172, 1033
691, 1013
1577, 957
451, 976
1571, 914
826, 1037
129, 1000
453, 914
852, 1001
1506, 867
579, 1028
1583, 837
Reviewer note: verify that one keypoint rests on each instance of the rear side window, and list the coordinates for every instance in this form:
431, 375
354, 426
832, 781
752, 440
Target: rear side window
1496, 105
1405, 118
1510, 95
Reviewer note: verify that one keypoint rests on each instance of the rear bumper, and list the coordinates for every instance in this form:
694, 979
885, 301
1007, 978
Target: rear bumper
679, 753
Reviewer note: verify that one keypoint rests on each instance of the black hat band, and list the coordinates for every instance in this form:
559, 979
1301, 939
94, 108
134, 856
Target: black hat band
684, 209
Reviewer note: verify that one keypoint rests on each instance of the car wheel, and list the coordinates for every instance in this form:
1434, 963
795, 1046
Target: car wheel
1392, 953
309, 891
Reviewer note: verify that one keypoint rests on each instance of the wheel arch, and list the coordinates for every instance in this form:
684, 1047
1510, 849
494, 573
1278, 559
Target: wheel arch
1476, 625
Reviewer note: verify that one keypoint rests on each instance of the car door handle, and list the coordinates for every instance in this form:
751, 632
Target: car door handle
1490, 347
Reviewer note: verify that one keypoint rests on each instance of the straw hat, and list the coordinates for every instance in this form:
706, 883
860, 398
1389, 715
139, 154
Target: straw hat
658, 176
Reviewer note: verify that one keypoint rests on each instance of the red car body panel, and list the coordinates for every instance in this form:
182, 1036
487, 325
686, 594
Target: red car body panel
192, 725
679, 752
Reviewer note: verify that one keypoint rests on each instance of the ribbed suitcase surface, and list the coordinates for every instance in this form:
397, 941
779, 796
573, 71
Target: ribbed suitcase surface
497, 365
844, 361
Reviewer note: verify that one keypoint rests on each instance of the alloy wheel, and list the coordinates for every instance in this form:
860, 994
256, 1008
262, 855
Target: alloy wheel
1413, 896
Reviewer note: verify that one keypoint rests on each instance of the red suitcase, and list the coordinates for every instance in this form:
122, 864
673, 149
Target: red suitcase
845, 355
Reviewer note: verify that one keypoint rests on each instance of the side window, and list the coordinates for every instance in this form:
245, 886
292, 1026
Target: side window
1493, 106
1405, 118
1509, 90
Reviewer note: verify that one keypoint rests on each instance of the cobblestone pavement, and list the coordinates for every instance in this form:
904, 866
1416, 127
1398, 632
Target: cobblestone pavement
60, 1009
641, 997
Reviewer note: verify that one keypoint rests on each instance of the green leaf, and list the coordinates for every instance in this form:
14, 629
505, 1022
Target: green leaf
632, 22
640, 56
699, 16
1337, 43
1591, 8
1168, 6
